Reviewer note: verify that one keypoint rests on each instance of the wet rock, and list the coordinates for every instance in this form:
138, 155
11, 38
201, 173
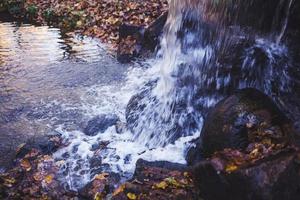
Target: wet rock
95, 147
244, 117
182, 121
34, 176
95, 162
45, 144
121, 127
141, 164
104, 167
102, 185
100, 124
273, 177
136, 105
127, 159
158, 180
142, 40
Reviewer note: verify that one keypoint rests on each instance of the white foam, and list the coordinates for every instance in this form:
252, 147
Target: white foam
123, 150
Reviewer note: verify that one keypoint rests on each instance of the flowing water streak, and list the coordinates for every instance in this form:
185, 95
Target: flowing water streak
285, 22
169, 111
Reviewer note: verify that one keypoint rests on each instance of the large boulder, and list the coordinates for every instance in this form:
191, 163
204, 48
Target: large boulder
244, 117
274, 177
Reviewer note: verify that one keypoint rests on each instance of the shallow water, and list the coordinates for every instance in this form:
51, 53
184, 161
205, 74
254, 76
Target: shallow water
43, 75
54, 84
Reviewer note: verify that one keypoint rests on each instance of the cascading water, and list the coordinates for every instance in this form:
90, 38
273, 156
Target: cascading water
197, 71
207, 51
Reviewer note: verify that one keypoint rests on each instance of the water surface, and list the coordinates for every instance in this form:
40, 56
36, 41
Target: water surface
42, 72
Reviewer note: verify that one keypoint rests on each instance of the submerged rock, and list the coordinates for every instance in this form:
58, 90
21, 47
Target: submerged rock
100, 124
146, 110
244, 117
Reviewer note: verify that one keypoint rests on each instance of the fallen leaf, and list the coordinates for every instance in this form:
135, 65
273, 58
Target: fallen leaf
172, 181
49, 179
119, 190
37, 176
25, 164
98, 196
230, 168
131, 196
162, 185
102, 176
8, 182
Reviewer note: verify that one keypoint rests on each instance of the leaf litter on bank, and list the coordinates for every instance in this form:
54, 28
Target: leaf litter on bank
100, 18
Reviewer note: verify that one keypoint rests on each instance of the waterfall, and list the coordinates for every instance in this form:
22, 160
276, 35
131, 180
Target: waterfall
208, 52
209, 49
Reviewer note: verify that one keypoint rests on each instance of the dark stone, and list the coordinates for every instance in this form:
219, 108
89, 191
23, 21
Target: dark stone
45, 144
95, 147
100, 124
277, 177
103, 184
95, 162
141, 165
102, 168
154, 31
147, 38
233, 122
148, 178
127, 159
120, 127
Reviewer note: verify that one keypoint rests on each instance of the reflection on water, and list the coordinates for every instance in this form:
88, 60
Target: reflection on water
41, 72
29, 44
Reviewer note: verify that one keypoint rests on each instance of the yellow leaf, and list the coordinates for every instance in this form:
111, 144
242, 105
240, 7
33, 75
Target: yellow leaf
231, 168
102, 176
25, 164
172, 181
79, 23
8, 182
162, 185
119, 190
186, 174
49, 179
98, 196
131, 196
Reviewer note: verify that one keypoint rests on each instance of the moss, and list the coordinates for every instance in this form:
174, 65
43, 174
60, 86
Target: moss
31, 11
14, 7
49, 15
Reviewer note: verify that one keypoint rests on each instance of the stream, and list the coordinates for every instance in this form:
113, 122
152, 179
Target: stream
51, 83
54, 84
44, 76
